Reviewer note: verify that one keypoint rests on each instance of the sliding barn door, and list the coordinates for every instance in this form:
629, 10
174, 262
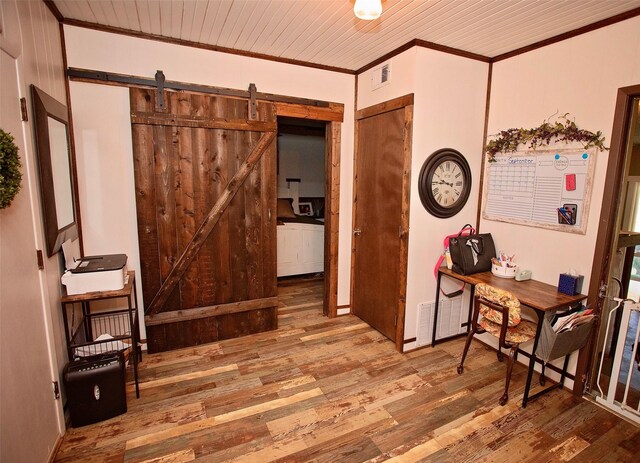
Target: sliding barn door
205, 198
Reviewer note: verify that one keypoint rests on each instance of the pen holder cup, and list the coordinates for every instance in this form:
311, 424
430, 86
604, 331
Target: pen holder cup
570, 284
504, 272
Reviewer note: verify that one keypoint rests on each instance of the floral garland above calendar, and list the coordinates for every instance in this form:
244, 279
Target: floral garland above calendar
563, 130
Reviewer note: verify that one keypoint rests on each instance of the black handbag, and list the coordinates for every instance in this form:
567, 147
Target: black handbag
472, 253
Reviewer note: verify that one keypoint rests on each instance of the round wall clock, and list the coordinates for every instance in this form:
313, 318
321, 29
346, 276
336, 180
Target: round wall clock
444, 183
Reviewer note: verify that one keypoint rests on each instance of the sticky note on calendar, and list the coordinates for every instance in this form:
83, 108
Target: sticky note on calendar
570, 182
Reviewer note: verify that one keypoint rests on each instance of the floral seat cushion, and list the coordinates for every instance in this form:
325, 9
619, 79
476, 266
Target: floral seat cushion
525, 331
500, 297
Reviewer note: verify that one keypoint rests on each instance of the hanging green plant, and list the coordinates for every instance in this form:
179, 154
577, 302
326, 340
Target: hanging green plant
563, 130
10, 175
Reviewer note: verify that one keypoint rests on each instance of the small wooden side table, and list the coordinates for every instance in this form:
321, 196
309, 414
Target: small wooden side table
85, 335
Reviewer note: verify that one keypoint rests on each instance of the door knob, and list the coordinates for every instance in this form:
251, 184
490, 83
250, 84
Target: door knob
357, 231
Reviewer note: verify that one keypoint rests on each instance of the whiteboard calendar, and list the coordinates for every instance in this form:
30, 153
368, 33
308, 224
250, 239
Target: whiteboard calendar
542, 188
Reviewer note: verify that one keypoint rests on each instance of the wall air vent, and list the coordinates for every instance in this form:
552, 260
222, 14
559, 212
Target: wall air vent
380, 76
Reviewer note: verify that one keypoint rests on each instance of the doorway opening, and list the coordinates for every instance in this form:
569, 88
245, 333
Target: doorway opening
300, 230
616, 365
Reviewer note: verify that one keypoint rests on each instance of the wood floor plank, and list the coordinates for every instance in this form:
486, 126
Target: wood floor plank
337, 391
182, 456
187, 376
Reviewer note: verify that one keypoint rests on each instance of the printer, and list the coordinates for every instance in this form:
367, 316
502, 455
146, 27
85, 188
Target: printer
94, 273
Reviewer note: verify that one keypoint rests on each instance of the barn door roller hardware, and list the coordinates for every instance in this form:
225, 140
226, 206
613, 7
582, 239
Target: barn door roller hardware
159, 83
160, 105
253, 107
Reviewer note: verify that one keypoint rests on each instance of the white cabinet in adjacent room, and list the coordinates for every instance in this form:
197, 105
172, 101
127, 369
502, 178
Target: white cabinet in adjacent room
300, 249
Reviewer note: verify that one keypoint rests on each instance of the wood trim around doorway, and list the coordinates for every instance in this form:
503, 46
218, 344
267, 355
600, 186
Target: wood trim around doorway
607, 228
331, 218
404, 219
406, 102
333, 116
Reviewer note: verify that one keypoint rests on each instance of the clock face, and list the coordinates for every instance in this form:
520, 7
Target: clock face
445, 183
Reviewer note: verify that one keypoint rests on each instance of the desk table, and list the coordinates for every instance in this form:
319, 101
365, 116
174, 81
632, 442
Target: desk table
541, 297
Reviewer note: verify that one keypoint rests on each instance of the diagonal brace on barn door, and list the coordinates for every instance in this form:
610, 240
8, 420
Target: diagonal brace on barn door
209, 223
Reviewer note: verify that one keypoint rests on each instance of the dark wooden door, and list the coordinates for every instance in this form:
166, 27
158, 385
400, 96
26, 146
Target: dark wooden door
380, 219
205, 197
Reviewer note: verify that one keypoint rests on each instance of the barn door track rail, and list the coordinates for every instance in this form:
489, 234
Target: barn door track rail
160, 84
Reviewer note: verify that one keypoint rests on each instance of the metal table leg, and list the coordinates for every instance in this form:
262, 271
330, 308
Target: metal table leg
435, 311
532, 359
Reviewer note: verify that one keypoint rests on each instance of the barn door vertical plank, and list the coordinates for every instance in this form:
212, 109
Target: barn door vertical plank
269, 209
202, 199
238, 151
220, 177
253, 221
143, 159
185, 221
164, 151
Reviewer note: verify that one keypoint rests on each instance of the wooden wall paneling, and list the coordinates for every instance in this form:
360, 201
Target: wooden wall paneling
143, 156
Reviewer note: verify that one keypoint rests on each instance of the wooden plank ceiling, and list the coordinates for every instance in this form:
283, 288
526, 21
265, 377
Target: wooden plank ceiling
326, 32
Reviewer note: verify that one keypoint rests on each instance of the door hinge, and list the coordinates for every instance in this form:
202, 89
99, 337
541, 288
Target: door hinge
395, 320
23, 109
56, 390
40, 258
602, 291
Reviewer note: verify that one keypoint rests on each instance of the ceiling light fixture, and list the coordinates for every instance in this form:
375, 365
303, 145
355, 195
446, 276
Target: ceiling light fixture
368, 9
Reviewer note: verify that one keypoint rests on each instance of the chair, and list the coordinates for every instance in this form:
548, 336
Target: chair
501, 317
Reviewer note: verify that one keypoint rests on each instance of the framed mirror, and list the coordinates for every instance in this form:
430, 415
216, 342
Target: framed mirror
54, 164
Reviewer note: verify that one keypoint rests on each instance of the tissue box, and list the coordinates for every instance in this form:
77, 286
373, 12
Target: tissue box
570, 284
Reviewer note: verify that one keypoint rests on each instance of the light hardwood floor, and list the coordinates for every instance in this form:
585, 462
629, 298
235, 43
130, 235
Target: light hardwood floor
337, 391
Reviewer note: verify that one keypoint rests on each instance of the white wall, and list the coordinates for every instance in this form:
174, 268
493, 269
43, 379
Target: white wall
103, 133
580, 76
32, 337
301, 157
449, 107
402, 81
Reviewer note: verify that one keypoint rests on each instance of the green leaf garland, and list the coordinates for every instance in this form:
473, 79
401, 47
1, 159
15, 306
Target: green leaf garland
10, 175
563, 129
